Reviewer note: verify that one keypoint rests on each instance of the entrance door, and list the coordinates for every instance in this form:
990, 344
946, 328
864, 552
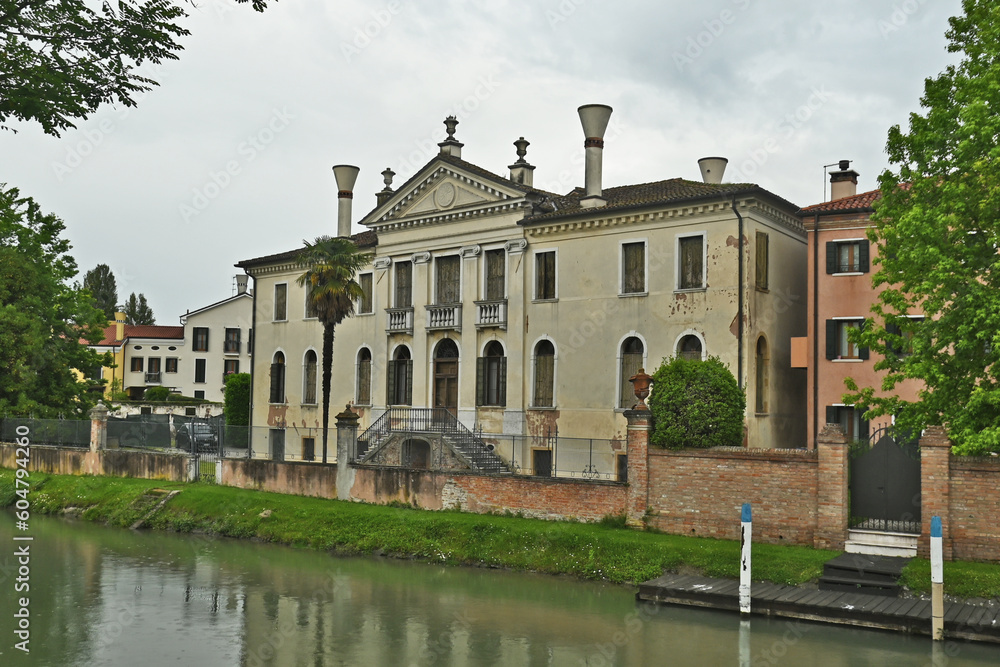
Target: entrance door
446, 376
885, 484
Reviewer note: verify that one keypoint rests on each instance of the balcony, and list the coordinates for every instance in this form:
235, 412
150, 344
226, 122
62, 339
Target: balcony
400, 320
443, 317
491, 314
231, 347
153, 378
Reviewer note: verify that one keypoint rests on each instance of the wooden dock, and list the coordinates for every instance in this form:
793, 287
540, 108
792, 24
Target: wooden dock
975, 620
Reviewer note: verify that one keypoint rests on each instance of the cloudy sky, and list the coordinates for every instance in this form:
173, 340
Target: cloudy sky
229, 158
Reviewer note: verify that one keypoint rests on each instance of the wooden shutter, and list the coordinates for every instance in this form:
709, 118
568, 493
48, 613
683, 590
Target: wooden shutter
481, 381
544, 372
404, 285
862, 350
503, 381
495, 275
863, 426
366, 293
831, 257
545, 275
365, 381
280, 294
691, 262
408, 389
832, 344
276, 373
448, 279
390, 384
630, 364
762, 260
863, 256
633, 268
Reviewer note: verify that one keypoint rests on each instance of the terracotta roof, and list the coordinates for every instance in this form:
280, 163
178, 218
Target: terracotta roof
670, 191
856, 203
365, 239
140, 331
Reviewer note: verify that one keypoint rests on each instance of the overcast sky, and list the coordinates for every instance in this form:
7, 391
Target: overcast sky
229, 158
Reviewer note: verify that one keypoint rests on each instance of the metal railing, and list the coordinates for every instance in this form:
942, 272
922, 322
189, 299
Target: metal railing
491, 314
153, 378
55, 432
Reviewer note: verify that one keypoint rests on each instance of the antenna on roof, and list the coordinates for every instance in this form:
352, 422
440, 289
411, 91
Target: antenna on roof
826, 167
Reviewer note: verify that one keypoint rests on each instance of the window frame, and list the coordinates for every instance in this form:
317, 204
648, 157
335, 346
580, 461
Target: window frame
695, 334
762, 377
858, 420
493, 252
307, 313
396, 303
678, 264
623, 402
230, 363
358, 398
897, 330
393, 385
230, 344
486, 365
645, 266
762, 277
555, 275
201, 370
277, 387
834, 352
457, 257
370, 295
534, 374
274, 304
833, 265
199, 339
136, 362
170, 364
305, 377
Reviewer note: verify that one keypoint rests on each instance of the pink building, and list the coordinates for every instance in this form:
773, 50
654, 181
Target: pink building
840, 296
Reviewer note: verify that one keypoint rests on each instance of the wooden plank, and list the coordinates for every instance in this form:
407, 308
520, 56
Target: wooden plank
963, 616
952, 610
793, 594
766, 592
904, 607
810, 600
883, 605
831, 598
922, 611
976, 615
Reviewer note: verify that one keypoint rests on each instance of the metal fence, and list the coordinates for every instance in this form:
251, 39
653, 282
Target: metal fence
56, 432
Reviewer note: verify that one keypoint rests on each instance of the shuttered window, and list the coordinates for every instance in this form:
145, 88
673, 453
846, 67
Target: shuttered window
404, 285
309, 378
363, 395
762, 261
280, 302
850, 419
495, 274
545, 275
399, 383
634, 268
838, 346
448, 279
365, 303
311, 310
692, 257
491, 377
847, 256
629, 364
545, 367
278, 378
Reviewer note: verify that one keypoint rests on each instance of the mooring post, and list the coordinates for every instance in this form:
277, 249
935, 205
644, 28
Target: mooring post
745, 531
937, 580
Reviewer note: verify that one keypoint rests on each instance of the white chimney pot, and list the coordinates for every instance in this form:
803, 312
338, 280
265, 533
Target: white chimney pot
712, 169
347, 176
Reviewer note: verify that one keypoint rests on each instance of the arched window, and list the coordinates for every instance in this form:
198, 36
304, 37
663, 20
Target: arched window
446, 376
545, 371
762, 383
309, 378
399, 384
363, 395
630, 361
689, 347
278, 378
491, 376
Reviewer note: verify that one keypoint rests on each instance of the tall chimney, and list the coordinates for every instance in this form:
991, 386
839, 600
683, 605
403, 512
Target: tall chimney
119, 326
843, 183
346, 176
712, 169
594, 118
522, 172
241, 283
387, 192
451, 145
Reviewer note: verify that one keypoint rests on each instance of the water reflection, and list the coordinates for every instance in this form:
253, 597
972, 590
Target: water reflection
112, 597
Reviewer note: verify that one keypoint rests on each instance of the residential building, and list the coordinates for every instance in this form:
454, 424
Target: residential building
142, 356
526, 312
840, 296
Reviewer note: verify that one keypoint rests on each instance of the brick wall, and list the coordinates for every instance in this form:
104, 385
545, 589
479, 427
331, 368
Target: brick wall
974, 525
112, 463
700, 492
539, 497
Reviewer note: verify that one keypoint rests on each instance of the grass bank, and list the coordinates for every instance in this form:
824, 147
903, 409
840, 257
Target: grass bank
590, 551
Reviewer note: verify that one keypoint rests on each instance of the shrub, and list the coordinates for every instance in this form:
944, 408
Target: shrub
237, 399
157, 393
696, 404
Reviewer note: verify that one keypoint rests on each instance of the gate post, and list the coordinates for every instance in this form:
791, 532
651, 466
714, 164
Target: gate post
935, 472
640, 423
832, 511
98, 427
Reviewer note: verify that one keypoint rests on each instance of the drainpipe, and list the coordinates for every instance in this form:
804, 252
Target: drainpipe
815, 300
739, 307
253, 362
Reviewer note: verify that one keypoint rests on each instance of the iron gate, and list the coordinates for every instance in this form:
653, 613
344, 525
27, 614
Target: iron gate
885, 483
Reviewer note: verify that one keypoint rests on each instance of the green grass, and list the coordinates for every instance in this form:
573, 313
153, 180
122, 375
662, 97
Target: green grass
590, 551
961, 578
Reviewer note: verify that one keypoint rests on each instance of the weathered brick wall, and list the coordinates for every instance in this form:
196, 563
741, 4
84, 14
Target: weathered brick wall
301, 479
974, 525
700, 492
539, 497
113, 463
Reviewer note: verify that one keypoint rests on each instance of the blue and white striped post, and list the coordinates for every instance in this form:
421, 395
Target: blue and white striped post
745, 531
937, 580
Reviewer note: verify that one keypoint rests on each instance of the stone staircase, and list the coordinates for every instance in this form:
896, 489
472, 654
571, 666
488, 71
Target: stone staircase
861, 573
881, 543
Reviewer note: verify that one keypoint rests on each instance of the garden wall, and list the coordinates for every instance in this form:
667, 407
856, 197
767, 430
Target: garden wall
111, 463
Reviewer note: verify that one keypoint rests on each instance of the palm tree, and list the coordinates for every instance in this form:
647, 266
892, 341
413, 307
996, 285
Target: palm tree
331, 265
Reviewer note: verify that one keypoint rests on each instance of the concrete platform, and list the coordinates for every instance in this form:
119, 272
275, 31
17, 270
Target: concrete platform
975, 621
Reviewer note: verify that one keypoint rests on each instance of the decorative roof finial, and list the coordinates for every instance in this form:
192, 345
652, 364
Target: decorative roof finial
387, 179
450, 123
522, 150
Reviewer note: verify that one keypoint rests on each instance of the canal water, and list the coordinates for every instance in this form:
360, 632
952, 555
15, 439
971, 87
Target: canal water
104, 596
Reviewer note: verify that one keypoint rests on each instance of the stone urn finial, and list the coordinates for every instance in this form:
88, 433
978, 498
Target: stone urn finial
640, 385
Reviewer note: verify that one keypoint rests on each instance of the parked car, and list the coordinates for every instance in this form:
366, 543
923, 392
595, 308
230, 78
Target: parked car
201, 434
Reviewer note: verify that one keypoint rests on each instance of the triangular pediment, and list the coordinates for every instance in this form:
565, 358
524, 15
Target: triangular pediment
442, 188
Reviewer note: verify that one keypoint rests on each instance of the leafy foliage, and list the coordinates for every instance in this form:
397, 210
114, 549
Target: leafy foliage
60, 59
696, 404
939, 231
137, 311
157, 394
101, 284
331, 265
237, 399
42, 316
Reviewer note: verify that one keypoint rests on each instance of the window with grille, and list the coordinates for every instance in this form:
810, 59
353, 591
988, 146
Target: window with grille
545, 366
496, 262
761, 268
232, 343
491, 376
365, 303
404, 285
448, 282
363, 395
280, 302
634, 268
277, 393
851, 256
545, 275
399, 384
309, 378
691, 262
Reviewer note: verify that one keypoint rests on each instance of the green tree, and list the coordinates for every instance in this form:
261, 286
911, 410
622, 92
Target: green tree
137, 311
101, 284
237, 399
43, 317
939, 231
331, 265
61, 59
696, 404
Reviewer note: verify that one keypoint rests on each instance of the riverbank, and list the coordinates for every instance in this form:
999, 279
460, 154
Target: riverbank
606, 551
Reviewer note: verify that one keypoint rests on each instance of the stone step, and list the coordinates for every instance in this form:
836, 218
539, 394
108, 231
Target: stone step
878, 543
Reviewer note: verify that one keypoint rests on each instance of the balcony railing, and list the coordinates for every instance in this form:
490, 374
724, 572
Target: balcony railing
231, 347
491, 314
442, 317
153, 378
400, 320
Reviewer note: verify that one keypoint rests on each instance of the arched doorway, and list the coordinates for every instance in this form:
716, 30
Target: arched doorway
446, 376
416, 454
